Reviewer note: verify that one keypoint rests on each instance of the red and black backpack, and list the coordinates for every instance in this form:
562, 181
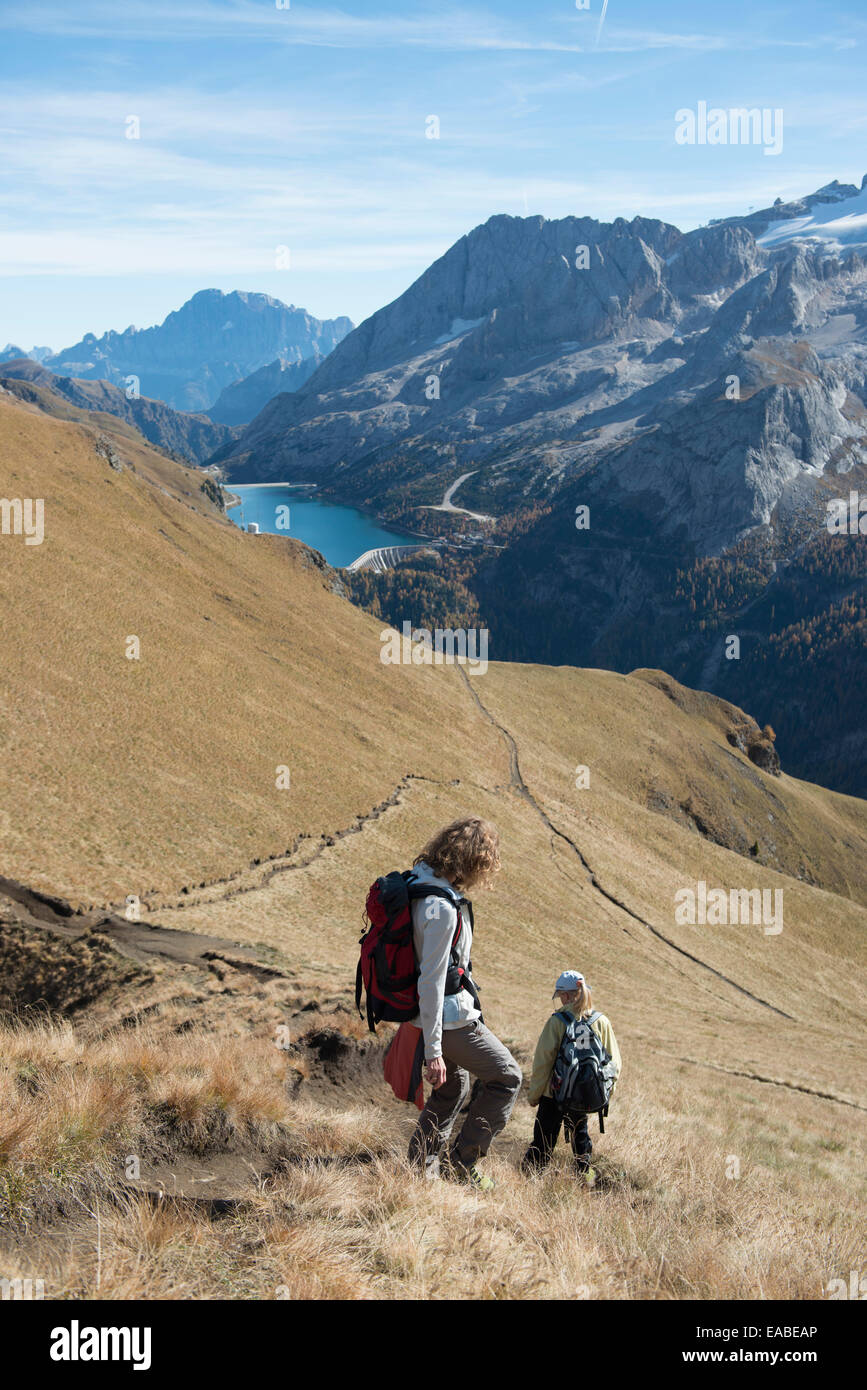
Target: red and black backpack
388, 970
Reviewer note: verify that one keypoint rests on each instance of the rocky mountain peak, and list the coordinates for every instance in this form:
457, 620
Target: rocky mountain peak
211, 341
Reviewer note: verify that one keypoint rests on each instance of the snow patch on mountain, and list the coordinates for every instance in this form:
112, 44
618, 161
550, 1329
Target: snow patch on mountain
835, 224
458, 329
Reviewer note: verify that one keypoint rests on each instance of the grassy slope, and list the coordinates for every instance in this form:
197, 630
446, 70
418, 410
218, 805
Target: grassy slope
157, 774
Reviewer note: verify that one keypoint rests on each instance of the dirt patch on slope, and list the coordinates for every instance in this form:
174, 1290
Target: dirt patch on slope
106, 974
43, 970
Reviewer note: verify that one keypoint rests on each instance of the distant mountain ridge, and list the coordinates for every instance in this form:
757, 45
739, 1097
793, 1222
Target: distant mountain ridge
12, 352
798, 211
239, 403
517, 346
530, 348
185, 435
212, 341
703, 393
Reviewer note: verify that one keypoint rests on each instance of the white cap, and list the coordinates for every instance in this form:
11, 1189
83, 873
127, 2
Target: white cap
570, 979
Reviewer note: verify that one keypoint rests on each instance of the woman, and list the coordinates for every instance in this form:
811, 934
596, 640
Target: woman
460, 857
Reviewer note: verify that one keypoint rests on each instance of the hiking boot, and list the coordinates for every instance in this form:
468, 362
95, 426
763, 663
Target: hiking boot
587, 1177
457, 1171
425, 1165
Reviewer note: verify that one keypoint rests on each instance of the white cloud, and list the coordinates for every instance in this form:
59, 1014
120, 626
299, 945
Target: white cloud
453, 29
617, 39
458, 28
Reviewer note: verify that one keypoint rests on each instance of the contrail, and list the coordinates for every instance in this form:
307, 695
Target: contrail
601, 20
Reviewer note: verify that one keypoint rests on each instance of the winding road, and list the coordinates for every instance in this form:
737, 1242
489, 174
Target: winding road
447, 505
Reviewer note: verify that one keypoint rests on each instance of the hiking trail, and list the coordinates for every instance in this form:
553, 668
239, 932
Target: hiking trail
523, 790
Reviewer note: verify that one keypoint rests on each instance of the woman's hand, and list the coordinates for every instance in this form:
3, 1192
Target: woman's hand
435, 1072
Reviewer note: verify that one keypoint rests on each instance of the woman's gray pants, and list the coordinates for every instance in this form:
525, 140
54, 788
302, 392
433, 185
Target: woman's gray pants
471, 1049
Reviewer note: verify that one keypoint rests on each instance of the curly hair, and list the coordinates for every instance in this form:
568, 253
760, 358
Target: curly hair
467, 853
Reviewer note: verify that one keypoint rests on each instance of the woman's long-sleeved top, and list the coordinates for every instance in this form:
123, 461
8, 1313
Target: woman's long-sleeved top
434, 924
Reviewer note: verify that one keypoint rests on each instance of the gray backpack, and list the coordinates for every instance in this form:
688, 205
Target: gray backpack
583, 1073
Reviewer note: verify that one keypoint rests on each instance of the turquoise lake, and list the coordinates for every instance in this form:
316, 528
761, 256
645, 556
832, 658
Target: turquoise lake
340, 533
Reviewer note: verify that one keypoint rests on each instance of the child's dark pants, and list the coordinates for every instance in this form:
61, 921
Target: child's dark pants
549, 1118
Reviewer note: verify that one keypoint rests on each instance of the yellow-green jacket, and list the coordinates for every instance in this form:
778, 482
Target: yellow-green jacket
549, 1045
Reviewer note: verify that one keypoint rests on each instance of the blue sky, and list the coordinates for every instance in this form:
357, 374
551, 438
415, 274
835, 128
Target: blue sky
305, 127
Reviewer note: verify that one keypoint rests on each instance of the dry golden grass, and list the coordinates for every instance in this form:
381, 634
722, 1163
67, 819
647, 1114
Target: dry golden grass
155, 773
340, 1214
65, 1100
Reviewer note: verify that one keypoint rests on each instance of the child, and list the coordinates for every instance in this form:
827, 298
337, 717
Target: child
573, 992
